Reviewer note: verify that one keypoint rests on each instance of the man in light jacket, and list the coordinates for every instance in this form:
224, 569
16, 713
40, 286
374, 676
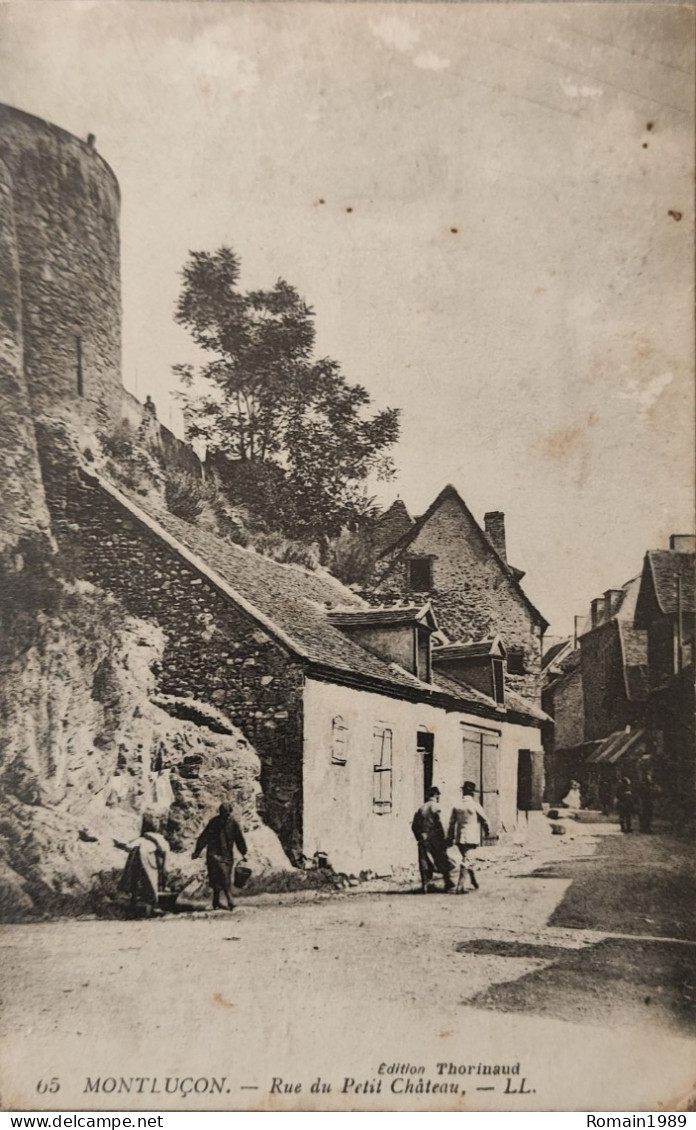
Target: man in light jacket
466, 822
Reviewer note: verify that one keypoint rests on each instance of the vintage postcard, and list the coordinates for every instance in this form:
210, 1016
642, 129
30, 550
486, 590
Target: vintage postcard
347, 557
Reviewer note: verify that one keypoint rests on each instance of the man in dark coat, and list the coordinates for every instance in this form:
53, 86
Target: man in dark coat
432, 844
220, 837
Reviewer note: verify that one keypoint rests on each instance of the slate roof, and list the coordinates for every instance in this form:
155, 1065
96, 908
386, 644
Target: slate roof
479, 703
357, 618
292, 601
624, 611
471, 650
400, 547
553, 653
519, 705
666, 565
617, 745
634, 648
627, 608
469, 695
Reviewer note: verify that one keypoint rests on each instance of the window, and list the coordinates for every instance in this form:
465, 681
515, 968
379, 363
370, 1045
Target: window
426, 749
339, 741
382, 770
498, 680
420, 573
515, 661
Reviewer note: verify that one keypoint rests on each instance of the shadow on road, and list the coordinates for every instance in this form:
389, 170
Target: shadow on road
614, 981
630, 885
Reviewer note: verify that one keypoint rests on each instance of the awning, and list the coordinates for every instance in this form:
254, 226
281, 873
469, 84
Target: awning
617, 746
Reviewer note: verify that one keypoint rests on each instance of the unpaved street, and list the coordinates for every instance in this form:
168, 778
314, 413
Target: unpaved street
568, 962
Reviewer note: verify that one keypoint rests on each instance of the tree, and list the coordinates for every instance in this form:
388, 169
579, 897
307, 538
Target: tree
270, 402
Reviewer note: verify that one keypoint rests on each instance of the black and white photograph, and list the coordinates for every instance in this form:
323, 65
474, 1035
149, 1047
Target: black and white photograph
347, 556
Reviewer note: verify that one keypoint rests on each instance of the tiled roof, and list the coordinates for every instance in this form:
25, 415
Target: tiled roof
290, 599
666, 566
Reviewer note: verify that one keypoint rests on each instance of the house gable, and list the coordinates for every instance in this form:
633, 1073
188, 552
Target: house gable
474, 592
450, 537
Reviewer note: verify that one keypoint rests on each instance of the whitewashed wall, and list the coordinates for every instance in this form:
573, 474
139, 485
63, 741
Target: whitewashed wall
340, 817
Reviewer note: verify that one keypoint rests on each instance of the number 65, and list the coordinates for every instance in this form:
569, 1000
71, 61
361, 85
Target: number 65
50, 1088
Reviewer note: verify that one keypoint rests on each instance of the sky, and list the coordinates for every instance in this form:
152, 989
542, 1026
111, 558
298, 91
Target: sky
488, 206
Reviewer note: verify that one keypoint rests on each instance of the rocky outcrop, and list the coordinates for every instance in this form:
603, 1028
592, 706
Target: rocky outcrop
84, 752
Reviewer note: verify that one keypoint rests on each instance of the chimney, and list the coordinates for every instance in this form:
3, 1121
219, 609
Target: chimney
597, 611
612, 602
682, 543
494, 523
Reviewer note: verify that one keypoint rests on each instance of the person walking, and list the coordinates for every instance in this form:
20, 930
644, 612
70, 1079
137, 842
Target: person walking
467, 821
219, 838
624, 804
432, 846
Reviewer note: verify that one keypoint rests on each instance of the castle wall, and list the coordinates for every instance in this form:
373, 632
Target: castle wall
66, 211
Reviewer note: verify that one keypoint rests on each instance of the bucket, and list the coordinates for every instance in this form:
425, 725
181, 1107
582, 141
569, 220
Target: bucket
242, 875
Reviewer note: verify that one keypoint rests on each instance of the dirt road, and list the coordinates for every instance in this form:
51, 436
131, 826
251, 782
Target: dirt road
566, 982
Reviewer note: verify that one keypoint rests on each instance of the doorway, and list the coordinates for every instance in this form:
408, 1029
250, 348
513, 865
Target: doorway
426, 749
481, 764
524, 780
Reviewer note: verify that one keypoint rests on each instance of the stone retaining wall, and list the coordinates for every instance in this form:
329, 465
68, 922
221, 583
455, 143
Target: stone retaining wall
213, 652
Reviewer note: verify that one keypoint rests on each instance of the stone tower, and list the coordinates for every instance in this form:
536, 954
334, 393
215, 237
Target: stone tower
60, 302
65, 202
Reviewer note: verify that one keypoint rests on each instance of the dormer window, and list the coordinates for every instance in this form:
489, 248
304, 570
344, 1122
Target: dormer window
478, 663
399, 635
420, 574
